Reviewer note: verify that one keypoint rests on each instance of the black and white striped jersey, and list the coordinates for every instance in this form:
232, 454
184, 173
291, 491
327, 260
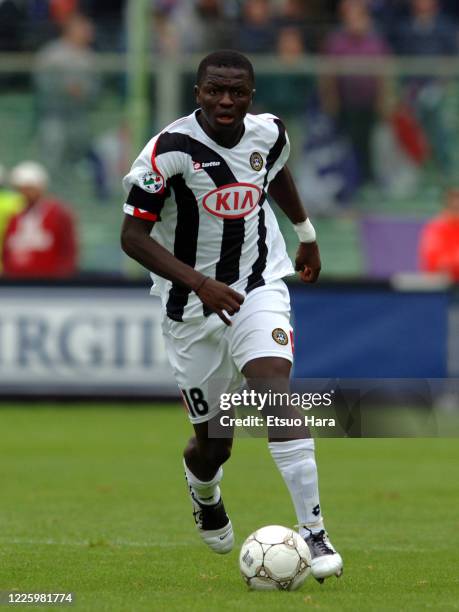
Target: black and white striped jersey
211, 206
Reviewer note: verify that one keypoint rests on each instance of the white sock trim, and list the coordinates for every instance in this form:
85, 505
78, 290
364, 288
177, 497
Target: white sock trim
202, 484
304, 443
284, 452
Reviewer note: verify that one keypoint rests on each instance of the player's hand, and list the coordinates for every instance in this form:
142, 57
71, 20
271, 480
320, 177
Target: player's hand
219, 297
307, 262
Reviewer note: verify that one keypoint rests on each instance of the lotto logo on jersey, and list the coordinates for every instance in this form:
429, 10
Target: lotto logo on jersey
197, 166
232, 201
152, 182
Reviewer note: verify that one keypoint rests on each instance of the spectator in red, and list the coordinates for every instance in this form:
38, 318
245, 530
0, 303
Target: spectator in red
439, 243
40, 241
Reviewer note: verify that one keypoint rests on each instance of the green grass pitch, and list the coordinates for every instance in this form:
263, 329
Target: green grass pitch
93, 501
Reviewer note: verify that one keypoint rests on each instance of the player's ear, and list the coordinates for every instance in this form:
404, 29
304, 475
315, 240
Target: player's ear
253, 95
196, 92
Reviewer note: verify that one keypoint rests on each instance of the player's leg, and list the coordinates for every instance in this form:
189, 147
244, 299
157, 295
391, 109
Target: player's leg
262, 349
199, 354
205, 455
203, 459
292, 449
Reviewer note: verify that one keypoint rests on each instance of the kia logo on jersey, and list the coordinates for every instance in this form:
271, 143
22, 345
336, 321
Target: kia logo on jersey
232, 201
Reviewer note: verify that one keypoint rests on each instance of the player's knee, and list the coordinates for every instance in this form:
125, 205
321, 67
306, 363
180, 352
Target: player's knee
277, 369
212, 452
264, 369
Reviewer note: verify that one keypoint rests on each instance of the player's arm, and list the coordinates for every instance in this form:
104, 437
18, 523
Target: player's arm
138, 244
283, 190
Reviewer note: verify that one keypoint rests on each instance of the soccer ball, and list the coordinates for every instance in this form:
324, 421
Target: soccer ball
275, 557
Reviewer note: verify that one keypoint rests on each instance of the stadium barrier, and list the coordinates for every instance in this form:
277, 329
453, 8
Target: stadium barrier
93, 340
82, 340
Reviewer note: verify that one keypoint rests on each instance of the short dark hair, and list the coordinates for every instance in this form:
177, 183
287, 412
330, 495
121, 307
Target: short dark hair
227, 58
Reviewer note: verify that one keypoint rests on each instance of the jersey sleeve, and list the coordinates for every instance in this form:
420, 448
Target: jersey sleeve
147, 184
280, 150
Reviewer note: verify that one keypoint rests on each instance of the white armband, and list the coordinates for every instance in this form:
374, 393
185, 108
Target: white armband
305, 231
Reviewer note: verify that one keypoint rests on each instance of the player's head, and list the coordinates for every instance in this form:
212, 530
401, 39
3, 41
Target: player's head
29, 178
224, 88
225, 58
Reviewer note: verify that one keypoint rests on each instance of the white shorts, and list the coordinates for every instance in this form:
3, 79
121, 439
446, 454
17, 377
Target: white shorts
208, 356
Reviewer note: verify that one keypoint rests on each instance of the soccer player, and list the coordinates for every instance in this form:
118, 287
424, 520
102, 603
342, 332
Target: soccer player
197, 216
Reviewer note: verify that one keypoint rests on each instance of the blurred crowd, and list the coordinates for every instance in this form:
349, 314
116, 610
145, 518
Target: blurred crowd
67, 34
352, 130
254, 26
25, 25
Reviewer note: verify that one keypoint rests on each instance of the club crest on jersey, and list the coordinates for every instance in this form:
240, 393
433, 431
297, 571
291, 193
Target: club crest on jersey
152, 182
280, 336
232, 201
256, 161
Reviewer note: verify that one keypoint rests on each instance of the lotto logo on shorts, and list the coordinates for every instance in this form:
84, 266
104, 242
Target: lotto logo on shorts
232, 201
280, 336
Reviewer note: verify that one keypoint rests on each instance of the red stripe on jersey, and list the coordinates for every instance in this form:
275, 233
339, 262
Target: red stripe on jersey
143, 214
155, 166
153, 159
291, 341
